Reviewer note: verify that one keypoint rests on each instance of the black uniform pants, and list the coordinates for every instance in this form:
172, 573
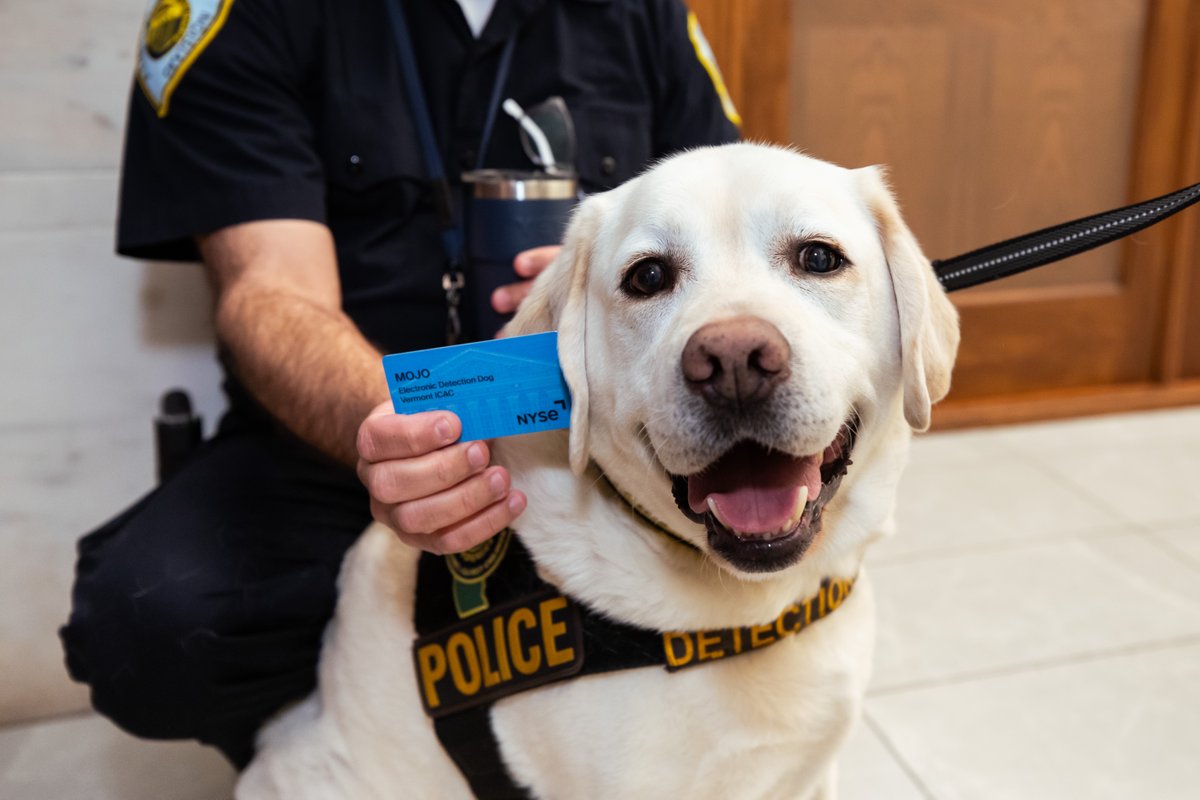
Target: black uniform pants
198, 612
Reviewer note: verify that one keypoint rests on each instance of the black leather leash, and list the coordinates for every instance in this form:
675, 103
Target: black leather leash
1058, 242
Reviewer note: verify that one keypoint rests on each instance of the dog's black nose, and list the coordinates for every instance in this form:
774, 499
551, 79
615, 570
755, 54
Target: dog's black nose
736, 361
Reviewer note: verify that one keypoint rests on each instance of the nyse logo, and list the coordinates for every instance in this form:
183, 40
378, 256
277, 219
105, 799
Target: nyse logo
543, 416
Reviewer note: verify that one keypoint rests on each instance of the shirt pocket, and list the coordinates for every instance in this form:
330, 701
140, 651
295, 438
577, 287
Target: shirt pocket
364, 143
613, 144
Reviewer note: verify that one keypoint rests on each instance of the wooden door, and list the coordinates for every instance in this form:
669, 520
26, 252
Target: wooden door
996, 117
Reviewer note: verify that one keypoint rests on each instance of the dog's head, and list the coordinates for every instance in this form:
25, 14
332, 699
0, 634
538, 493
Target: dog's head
735, 325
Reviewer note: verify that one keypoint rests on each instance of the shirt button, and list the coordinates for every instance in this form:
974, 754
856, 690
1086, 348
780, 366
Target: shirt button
608, 165
354, 164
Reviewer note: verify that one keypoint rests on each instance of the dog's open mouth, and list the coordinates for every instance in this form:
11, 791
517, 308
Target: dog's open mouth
763, 508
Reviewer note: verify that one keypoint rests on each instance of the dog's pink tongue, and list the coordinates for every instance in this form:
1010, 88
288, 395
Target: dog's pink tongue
751, 510
754, 491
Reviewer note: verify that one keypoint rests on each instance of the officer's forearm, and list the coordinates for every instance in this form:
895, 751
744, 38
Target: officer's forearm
307, 364
279, 317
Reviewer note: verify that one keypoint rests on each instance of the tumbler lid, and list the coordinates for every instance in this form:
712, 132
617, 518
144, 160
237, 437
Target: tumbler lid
507, 184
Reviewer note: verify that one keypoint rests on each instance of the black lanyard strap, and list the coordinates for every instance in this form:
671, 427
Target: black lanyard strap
1058, 242
443, 195
419, 109
494, 102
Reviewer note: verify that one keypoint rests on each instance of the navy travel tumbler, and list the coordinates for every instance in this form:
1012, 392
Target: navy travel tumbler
508, 212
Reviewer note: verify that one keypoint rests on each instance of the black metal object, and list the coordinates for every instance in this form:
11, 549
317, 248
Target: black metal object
177, 433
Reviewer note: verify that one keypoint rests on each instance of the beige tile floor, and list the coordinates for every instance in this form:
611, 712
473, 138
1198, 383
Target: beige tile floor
1039, 634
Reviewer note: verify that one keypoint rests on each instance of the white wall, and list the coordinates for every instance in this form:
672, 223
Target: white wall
88, 341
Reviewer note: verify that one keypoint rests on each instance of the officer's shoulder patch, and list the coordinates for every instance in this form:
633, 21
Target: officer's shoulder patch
705, 55
173, 36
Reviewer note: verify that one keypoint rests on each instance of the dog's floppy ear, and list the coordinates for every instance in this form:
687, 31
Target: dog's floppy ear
928, 321
558, 301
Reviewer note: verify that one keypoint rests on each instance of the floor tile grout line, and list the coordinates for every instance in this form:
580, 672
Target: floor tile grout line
33, 722
1005, 444
1080, 493
82, 227
1142, 529
1001, 546
1170, 549
1171, 522
933, 462
900, 760
59, 172
78, 424
1032, 667
1066, 479
1078, 424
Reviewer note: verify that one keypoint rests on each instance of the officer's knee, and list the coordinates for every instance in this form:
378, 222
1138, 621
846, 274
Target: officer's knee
126, 638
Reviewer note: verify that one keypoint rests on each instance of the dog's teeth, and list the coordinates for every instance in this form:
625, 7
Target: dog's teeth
712, 506
798, 512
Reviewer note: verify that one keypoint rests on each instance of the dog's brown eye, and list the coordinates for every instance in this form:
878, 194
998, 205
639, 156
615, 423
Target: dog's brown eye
820, 259
646, 278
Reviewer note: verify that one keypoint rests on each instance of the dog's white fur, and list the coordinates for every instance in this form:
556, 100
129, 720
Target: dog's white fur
877, 338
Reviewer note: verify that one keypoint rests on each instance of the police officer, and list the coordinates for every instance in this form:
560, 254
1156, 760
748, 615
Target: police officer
273, 139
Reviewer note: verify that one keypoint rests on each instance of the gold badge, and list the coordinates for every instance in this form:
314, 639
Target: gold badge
173, 37
166, 25
471, 570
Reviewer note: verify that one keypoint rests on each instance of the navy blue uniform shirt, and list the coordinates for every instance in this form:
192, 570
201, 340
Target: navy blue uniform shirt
296, 109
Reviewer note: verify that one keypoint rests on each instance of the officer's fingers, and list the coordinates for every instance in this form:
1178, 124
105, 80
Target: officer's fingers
506, 299
530, 263
473, 531
386, 436
449, 508
407, 479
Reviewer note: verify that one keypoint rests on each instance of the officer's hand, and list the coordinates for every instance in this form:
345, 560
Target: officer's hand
438, 494
528, 264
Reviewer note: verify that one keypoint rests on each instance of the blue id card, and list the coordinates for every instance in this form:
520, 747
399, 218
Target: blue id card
501, 387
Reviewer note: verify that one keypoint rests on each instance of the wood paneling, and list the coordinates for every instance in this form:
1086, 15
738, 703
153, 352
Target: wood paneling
1181, 328
995, 116
998, 117
750, 40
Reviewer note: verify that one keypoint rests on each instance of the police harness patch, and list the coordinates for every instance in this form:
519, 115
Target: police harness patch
173, 36
478, 643
489, 627
507, 650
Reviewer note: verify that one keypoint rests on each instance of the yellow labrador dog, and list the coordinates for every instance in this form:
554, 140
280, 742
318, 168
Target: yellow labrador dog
749, 336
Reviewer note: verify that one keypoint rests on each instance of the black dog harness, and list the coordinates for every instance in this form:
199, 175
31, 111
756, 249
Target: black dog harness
489, 627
